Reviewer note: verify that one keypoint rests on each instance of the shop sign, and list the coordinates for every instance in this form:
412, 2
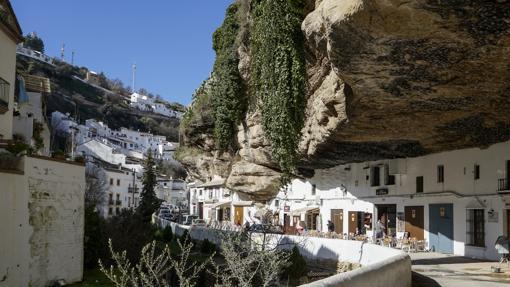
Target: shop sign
381, 191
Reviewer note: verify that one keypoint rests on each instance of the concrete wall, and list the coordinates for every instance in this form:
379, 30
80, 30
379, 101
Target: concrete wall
381, 266
56, 193
14, 230
8, 73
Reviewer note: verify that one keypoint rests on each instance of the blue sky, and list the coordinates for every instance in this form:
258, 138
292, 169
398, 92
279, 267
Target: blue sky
169, 40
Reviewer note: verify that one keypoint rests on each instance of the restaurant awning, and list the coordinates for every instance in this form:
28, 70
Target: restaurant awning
221, 204
299, 211
243, 203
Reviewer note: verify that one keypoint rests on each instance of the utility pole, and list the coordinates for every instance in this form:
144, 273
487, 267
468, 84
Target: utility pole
62, 51
134, 77
72, 58
133, 188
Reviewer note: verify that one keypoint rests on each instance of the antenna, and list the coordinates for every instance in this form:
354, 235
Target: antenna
62, 51
72, 58
134, 77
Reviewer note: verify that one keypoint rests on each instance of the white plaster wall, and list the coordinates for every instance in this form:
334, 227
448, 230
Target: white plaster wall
14, 230
56, 207
8, 73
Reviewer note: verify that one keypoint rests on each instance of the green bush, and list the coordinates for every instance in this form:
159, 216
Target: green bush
297, 265
207, 247
164, 235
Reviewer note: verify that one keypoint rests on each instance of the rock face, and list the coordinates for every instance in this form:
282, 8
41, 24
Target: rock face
418, 77
387, 79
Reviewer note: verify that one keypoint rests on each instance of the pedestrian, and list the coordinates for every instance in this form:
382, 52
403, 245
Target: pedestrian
331, 226
379, 229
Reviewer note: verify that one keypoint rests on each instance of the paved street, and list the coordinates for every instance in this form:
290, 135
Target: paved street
433, 269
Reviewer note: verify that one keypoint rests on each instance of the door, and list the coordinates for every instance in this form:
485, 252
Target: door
238, 215
414, 221
353, 221
201, 210
286, 223
508, 223
337, 217
220, 214
441, 227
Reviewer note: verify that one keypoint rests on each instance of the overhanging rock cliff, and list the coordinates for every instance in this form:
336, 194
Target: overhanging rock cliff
386, 79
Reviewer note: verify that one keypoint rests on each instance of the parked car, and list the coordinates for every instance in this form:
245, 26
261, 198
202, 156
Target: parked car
198, 222
188, 219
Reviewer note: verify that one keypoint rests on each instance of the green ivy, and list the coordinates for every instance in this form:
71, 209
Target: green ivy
279, 76
227, 90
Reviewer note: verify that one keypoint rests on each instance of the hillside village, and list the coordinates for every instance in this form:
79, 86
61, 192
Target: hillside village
89, 167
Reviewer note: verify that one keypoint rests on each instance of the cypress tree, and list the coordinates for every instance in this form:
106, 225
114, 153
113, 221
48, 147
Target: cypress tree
149, 203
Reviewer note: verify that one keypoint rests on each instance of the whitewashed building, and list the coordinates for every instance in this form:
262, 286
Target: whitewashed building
40, 241
123, 191
173, 191
148, 104
458, 201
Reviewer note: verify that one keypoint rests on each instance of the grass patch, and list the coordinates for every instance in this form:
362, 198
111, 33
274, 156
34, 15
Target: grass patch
94, 278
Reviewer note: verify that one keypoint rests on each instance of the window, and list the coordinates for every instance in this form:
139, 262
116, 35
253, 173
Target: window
110, 211
477, 171
475, 227
118, 182
129, 201
164, 184
419, 184
388, 179
375, 173
111, 181
5, 88
117, 211
314, 189
276, 203
200, 192
118, 196
440, 173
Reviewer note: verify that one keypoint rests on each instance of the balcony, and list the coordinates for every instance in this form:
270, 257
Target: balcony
503, 184
4, 96
118, 202
135, 190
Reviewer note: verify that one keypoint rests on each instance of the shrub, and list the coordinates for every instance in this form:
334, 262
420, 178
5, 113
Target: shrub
164, 235
207, 247
297, 265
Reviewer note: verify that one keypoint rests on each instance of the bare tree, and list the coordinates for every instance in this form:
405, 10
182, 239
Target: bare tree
152, 270
96, 186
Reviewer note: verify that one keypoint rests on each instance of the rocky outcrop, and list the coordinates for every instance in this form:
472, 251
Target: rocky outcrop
418, 77
388, 79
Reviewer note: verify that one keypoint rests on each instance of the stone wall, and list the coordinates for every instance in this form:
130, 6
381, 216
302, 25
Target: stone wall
56, 214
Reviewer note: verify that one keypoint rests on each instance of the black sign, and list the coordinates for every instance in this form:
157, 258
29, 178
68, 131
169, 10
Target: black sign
381, 191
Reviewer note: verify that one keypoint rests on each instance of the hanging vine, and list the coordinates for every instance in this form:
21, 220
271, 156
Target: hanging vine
227, 91
279, 77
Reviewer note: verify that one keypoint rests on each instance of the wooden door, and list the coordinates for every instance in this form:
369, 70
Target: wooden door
201, 210
353, 221
337, 217
414, 221
508, 223
238, 215
220, 214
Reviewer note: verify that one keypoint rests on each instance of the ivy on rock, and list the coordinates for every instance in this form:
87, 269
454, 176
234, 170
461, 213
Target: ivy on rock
227, 89
278, 74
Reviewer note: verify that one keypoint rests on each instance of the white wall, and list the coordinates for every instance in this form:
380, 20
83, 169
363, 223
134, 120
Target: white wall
56, 208
14, 230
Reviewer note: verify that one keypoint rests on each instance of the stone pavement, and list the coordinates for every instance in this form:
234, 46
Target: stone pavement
434, 269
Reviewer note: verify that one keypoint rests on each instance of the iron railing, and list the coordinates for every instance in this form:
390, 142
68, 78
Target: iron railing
503, 184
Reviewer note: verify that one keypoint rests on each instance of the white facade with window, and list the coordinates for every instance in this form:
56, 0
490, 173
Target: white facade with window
473, 182
119, 193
